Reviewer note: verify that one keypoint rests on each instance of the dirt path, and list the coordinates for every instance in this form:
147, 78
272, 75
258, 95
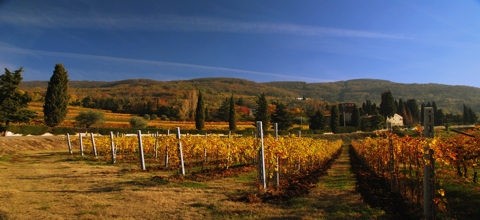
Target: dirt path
335, 197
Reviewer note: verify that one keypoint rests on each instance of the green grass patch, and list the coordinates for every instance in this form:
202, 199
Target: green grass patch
463, 199
6, 158
246, 177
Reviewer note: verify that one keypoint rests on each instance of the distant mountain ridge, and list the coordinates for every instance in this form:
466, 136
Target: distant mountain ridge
450, 98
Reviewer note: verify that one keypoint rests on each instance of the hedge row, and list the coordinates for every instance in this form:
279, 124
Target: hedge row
40, 130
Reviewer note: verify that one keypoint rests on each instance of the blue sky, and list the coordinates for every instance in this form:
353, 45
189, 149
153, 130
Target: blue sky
312, 41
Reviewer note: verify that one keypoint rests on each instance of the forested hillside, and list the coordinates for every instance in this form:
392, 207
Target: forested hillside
448, 98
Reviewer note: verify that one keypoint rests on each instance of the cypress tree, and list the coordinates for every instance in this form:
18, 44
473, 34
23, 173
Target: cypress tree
422, 113
413, 107
262, 111
356, 120
57, 97
317, 121
334, 118
200, 113
387, 106
232, 115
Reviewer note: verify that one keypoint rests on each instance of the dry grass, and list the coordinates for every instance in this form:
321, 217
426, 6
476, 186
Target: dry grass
47, 183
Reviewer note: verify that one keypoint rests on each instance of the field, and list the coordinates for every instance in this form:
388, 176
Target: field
41, 180
119, 120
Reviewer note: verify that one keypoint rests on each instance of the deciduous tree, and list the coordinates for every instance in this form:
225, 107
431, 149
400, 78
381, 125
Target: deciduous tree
89, 118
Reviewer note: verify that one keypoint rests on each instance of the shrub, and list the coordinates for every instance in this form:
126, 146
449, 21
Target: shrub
146, 117
137, 122
27, 129
154, 117
62, 131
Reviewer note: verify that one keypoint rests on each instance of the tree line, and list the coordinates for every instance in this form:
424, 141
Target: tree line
14, 103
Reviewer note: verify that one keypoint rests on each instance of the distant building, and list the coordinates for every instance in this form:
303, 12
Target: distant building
396, 120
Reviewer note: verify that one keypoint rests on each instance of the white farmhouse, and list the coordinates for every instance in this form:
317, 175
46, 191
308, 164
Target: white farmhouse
396, 120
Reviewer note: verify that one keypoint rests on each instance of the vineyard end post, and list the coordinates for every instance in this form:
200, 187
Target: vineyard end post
429, 172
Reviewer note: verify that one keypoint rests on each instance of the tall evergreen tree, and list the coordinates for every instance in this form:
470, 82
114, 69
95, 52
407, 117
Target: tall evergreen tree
200, 113
401, 108
473, 116
413, 107
387, 106
356, 120
334, 118
283, 117
368, 110
222, 113
377, 120
13, 102
57, 97
317, 121
422, 113
407, 120
207, 114
262, 111
232, 115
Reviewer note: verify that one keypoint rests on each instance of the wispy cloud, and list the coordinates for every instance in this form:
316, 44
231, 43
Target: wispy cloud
177, 23
231, 71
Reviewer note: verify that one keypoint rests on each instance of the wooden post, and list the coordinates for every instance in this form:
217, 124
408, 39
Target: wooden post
228, 148
93, 146
69, 144
429, 169
156, 146
261, 158
205, 151
140, 149
180, 152
166, 150
112, 144
81, 143
277, 161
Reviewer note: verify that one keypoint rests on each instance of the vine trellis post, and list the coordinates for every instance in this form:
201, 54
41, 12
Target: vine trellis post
261, 157
81, 143
94, 146
277, 161
69, 144
392, 157
180, 152
112, 145
140, 149
429, 166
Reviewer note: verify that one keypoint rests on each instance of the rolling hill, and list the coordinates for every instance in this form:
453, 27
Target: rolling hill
449, 98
